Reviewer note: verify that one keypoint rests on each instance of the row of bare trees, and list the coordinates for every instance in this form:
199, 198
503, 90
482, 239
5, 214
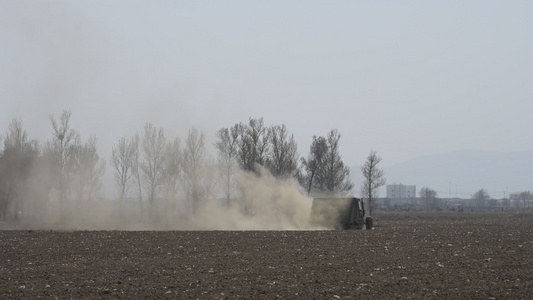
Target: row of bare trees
158, 168
251, 146
63, 169
159, 171
187, 174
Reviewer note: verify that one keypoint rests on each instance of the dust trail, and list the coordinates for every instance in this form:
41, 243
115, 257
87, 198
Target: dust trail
264, 203
275, 205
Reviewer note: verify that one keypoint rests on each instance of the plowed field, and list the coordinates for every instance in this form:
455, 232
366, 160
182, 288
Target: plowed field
451, 256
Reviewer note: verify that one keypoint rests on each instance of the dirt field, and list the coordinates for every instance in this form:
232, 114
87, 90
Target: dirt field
452, 256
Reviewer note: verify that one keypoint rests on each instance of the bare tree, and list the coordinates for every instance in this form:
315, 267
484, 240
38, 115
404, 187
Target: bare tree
86, 169
480, 198
334, 177
193, 167
374, 178
282, 159
253, 144
429, 197
152, 164
313, 163
324, 170
227, 153
96, 166
209, 178
137, 159
16, 165
63, 139
123, 161
172, 172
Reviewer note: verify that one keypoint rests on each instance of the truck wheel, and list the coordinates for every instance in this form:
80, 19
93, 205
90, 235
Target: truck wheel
369, 222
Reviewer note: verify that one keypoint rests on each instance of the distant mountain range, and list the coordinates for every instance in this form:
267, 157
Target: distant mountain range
462, 173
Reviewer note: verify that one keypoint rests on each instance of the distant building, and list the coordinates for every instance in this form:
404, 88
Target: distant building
527, 195
401, 191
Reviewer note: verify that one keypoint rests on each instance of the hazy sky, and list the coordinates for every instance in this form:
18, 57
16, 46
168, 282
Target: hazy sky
406, 78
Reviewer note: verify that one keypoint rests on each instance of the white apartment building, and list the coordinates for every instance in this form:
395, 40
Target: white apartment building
401, 191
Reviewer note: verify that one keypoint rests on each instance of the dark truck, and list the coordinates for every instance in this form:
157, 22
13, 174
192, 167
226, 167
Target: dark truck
339, 213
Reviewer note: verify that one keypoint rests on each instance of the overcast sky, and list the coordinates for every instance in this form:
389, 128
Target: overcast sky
405, 78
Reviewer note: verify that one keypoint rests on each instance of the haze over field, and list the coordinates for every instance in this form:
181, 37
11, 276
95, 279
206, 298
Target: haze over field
406, 79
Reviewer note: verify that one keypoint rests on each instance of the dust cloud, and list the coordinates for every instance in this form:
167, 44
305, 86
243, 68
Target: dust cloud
263, 202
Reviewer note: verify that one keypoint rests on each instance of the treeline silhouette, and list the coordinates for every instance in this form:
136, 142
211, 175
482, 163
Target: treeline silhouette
156, 174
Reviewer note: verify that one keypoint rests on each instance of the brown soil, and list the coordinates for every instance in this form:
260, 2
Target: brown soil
451, 256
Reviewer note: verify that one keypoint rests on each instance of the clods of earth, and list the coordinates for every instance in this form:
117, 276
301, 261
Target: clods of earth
408, 255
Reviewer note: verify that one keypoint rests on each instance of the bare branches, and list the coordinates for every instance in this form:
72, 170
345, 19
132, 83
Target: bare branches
172, 172
374, 177
63, 139
313, 163
282, 159
194, 162
253, 144
86, 169
480, 198
324, 169
152, 164
429, 197
123, 162
227, 153
16, 163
